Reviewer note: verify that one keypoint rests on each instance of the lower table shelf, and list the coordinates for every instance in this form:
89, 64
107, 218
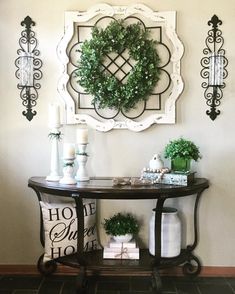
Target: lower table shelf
94, 263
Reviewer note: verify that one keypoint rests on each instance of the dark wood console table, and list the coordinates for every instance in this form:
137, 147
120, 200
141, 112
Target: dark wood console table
102, 188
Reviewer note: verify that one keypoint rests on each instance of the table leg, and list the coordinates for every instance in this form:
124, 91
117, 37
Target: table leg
158, 229
81, 281
193, 246
42, 239
49, 267
46, 268
156, 279
192, 267
80, 225
156, 282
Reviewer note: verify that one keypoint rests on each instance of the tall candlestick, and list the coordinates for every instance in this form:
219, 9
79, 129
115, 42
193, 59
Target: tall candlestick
54, 173
82, 136
54, 116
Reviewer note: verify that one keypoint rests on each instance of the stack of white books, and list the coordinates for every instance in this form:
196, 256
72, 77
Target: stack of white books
118, 250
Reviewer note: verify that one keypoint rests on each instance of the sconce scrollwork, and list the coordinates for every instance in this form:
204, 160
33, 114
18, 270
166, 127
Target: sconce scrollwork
28, 68
214, 65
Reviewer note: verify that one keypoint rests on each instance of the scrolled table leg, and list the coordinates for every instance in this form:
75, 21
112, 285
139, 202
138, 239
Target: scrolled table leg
46, 268
192, 267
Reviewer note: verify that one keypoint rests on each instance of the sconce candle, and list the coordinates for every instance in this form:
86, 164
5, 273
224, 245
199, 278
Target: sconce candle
216, 70
26, 69
82, 136
54, 116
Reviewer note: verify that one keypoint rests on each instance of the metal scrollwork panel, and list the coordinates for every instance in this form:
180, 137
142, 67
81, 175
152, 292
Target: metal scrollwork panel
213, 88
28, 68
160, 106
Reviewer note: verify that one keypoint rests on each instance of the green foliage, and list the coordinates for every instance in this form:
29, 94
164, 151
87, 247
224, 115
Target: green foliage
82, 153
106, 89
182, 148
121, 224
69, 164
57, 136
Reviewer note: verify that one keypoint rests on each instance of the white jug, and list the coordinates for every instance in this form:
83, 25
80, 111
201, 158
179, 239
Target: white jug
170, 233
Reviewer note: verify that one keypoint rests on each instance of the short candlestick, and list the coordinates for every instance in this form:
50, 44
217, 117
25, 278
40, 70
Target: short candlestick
68, 170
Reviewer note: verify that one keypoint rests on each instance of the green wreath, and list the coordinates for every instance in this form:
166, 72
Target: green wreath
106, 89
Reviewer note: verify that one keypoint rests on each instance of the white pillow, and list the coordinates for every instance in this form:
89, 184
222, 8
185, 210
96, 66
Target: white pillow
60, 226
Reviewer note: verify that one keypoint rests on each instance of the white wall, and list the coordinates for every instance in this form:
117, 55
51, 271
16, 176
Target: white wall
25, 148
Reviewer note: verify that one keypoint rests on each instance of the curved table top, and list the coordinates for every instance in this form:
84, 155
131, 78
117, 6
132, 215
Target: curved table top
102, 188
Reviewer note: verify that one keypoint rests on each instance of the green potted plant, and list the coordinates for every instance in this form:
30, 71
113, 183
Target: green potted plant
121, 226
181, 152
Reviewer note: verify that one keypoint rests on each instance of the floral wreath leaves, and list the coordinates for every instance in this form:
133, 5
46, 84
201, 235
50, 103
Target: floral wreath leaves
106, 89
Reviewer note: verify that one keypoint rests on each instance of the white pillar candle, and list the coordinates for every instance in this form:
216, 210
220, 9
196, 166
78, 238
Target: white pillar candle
54, 116
219, 70
211, 81
68, 151
216, 70
26, 69
82, 136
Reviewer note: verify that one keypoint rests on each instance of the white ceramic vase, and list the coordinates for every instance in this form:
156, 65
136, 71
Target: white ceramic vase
170, 233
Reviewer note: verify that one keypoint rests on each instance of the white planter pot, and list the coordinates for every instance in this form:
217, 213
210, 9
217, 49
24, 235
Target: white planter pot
170, 233
123, 238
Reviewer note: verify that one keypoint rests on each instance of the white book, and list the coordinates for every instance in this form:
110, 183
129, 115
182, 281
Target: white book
113, 244
121, 249
115, 256
118, 253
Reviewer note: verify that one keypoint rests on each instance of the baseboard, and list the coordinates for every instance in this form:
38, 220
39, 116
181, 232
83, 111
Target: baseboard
32, 270
207, 271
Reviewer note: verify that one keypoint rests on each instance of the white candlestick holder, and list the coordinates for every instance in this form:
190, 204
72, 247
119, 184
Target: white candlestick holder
82, 157
68, 171
54, 135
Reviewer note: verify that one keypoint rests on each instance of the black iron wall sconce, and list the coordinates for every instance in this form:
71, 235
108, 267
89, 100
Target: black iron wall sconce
214, 67
28, 71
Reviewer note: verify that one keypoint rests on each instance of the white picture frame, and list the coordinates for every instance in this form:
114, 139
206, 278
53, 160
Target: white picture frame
168, 20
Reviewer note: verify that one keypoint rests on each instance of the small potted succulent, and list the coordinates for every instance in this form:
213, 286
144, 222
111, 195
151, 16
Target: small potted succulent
121, 226
181, 152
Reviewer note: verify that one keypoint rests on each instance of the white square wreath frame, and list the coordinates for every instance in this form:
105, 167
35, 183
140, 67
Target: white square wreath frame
168, 20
